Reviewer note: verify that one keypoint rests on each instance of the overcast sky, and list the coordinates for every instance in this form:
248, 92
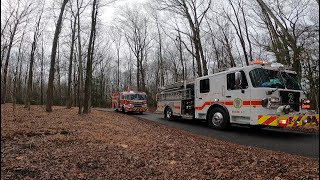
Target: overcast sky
109, 11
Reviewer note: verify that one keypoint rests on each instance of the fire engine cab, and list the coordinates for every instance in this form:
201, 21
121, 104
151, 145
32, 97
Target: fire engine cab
260, 95
130, 101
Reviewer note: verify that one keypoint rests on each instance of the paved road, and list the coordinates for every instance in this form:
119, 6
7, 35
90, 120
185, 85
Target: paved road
304, 144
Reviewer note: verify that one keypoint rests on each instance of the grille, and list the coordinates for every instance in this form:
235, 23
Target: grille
290, 98
137, 104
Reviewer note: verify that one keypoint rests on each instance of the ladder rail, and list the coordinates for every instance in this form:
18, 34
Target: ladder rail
183, 94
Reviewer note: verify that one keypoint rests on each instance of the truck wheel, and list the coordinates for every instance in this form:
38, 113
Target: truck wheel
168, 114
123, 110
218, 118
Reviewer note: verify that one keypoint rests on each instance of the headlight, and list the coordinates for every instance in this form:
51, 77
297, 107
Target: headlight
274, 99
271, 102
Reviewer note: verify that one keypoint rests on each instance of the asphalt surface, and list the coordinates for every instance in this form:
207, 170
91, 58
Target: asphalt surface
297, 143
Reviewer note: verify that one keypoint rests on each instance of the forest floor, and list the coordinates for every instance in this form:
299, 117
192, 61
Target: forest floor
110, 145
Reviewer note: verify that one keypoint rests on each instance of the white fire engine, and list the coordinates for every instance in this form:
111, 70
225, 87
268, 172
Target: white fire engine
260, 95
130, 101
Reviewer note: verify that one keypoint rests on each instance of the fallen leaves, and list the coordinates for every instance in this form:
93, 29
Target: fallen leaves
108, 145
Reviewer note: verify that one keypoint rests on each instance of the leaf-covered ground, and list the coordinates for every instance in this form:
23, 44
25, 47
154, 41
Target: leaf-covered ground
109, 145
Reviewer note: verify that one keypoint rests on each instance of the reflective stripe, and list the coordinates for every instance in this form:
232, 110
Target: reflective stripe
293, 121
230, 103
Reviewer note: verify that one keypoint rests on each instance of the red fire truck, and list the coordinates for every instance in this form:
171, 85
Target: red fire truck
130, 101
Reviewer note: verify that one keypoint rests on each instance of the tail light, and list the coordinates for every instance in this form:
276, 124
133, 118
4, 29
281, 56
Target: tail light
305, 103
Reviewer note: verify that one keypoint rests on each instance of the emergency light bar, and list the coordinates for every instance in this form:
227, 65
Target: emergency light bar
277, 65
259, 61
263, 62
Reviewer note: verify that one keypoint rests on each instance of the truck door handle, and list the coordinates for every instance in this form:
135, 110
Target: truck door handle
228, 96
200, 98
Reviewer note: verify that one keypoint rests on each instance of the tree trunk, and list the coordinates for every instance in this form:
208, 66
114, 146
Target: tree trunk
142, 71
80, 71
138, 73
87, 90
130, 71
181, 56
33, 49
58, 88
17, 78
118, 73
4, 85
29, 88
41, 74
75, 86
69, 98
161, 79
53, 59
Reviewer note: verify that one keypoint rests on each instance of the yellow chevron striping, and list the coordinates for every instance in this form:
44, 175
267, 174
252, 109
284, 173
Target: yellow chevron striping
274, 123
263, 119
293, 119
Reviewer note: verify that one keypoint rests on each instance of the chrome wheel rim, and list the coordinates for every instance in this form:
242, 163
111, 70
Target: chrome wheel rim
169, 113
217, 119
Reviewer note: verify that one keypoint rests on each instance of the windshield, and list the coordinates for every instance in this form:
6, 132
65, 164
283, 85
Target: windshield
274, 79
137, 97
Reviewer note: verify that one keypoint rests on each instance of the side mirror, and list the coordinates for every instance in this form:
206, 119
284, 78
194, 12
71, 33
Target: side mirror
238, 79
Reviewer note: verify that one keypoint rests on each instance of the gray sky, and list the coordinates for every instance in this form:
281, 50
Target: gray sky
109, 11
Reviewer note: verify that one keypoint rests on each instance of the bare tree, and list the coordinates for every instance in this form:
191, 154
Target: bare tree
16, 77
238, 28
289, 34
87, 96
191, 10
20, 16
135, 30
53, 58
73, 29
116, 35
224, 36
33, 49
4, 41
41, 72
160, 70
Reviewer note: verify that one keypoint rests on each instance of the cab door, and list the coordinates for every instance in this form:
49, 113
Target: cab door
202, 95
237, 97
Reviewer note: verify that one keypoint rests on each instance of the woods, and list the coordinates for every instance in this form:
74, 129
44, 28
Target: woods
74, 53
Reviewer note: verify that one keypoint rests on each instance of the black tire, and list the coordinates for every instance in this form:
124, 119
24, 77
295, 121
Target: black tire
123, 110
168, 114
218, 118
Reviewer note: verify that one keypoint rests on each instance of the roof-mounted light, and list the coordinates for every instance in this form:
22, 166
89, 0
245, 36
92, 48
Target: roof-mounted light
259, 61
277, 65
